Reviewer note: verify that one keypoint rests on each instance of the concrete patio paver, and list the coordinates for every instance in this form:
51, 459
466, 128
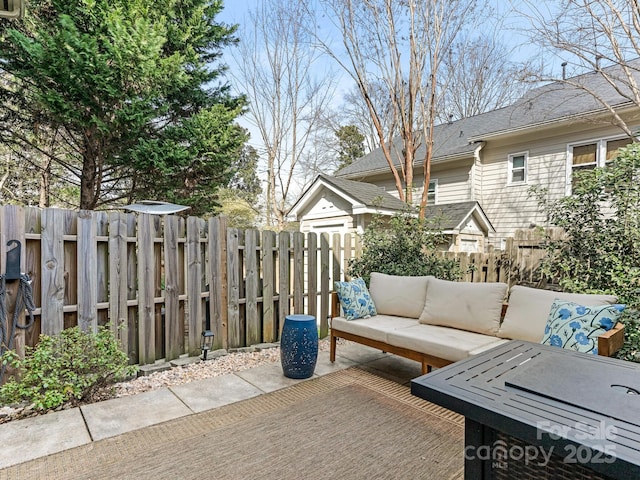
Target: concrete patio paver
24, 440
120, 415
324, 366
214, 392
267, 378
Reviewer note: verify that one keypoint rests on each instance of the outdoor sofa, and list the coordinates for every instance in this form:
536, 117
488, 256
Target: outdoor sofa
438, 322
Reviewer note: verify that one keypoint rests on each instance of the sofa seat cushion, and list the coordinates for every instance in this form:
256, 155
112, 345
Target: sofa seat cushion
529, 308
475, 307
442, 342
401, 296
375, 328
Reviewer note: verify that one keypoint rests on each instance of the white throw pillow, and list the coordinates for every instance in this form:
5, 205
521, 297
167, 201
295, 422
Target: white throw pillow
475, 307
402, 296
529, 308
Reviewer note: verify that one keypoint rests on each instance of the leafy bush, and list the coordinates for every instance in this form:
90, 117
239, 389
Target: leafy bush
403, 245
631, 348
70, 366
601, 252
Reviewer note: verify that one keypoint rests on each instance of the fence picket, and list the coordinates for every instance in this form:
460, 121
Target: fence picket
118, 277
269, 330
52, 271
284, 264
253, 330
233, 280
312, 274
325, 286
146, 304
298, 272
87, 267
194, 285
218, 281
12, 221
174, 337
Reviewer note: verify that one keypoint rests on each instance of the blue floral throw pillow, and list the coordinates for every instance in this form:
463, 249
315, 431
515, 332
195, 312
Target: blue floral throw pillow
355, 299
577, 327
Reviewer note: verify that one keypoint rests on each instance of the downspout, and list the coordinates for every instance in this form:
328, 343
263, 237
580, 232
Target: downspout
477, 165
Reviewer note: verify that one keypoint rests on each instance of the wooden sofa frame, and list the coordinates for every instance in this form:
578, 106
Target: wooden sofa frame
608, 343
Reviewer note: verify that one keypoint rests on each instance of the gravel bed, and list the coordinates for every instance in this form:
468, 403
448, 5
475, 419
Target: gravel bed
232, 362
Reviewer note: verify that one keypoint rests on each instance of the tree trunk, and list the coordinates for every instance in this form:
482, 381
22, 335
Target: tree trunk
45, 183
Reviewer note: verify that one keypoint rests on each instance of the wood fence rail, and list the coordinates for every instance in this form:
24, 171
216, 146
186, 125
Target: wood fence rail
154, 279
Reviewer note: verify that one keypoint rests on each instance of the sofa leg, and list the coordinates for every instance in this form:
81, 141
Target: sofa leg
332, 348
425, 368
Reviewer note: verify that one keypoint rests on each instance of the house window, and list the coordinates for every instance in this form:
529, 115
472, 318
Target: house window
613, 146
518, 167
432, 194
588, 156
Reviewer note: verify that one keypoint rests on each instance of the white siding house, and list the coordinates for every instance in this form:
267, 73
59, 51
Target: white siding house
489, 161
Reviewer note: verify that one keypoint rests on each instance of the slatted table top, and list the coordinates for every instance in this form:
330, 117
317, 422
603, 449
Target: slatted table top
578, 405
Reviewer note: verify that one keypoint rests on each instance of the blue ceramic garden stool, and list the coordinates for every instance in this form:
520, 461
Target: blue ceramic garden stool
299, 346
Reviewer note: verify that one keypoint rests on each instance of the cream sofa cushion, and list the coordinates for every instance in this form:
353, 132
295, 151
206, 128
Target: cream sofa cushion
442, 342
402, 296
475, 307
375, 328
529, 309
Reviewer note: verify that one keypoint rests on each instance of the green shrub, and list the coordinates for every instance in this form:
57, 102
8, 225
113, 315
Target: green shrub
601, 251
403, 245
67, 367
631, 349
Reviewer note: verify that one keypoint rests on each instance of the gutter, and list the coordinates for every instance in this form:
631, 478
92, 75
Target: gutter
477, 164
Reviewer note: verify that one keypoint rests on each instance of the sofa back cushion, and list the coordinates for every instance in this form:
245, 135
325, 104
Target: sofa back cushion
529, 308
398, 295
475, 307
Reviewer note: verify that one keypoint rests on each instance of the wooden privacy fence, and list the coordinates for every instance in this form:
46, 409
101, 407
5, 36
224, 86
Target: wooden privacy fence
519, 263
156, 279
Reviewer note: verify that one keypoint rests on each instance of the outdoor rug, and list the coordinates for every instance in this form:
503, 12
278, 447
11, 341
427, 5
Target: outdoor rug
345, 425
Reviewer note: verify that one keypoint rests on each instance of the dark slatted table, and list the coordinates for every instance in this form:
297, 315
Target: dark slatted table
534, 411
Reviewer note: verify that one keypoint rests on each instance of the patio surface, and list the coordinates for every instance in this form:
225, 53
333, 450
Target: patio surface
31, 438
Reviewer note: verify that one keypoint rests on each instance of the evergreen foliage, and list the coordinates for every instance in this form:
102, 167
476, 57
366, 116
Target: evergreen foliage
131, 89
